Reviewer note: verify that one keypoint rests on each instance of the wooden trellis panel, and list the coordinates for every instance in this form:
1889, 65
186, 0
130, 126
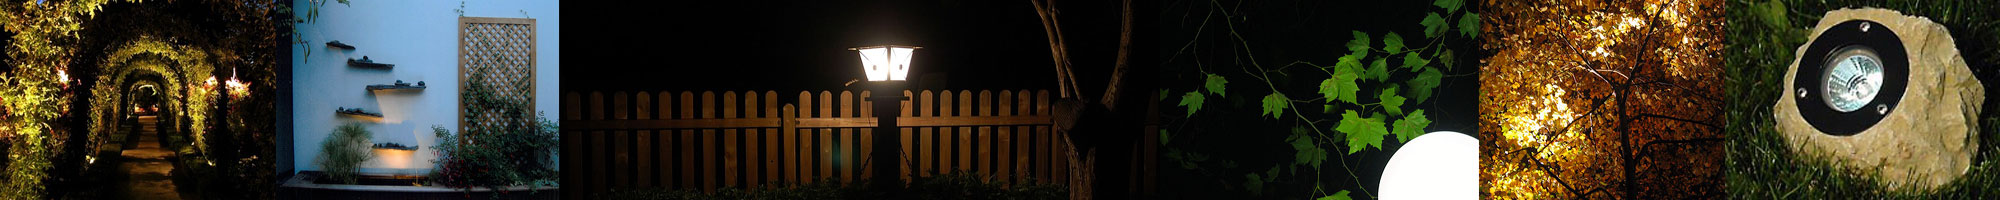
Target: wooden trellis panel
503, 49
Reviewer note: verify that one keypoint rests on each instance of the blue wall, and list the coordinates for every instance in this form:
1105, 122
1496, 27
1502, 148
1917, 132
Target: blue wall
421, 38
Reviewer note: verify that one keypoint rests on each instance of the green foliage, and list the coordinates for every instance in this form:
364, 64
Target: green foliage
1361, 132
1420, 87
343, 151
496, 158
1468, 25
1275, 104
1309, 152
1392, 43
1341, 88
1378, 70
1433, 24
1192, 101
1413, 62
1360, 94
1411, 126
1359, 43
1342, 195
1448, 5
1391, 101
514, 148
1215, 84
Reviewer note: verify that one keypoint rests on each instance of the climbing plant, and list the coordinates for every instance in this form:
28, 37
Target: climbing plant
1366, 99
32, 87
49, 41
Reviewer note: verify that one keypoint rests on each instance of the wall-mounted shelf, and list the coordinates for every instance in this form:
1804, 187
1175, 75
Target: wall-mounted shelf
337, 44
399, 86
394, 146
365, 62
356, 112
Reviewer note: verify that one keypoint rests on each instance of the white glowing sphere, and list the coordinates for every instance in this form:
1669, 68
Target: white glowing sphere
1438, 165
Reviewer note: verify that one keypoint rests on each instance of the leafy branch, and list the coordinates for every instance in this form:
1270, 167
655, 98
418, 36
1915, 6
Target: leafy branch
1373, 99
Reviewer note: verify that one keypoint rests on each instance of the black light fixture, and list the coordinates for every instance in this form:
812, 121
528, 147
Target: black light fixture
887, 68
1851, 77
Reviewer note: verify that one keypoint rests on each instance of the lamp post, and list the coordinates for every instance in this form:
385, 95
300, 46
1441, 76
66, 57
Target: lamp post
886, 67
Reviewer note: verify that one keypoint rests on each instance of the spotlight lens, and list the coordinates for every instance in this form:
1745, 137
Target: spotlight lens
1853, 80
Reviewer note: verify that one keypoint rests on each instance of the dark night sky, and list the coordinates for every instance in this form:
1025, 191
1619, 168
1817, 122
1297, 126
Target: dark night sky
802, 45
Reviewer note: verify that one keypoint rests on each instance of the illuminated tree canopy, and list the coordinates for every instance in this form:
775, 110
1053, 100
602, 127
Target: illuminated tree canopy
1602, 100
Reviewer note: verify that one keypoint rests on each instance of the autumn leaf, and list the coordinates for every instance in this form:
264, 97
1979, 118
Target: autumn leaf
1192, 100
1275, 104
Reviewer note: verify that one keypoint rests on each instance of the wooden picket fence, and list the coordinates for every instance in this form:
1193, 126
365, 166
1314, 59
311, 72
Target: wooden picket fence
709, 140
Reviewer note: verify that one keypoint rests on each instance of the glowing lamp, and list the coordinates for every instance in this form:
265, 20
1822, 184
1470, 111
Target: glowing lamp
886, 62
1439, 165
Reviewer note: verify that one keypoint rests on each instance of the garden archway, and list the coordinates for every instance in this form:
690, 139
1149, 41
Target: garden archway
174, 68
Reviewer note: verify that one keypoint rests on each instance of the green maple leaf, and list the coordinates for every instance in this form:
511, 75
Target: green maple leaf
1360, 42
1468, 25
1253, 183
1432, 25
1392, 43
1339, 88
1420, 87
1391, 101
1361, 132
1192, 100
1412, 62
1379, 70
1443, 57
1275, 104
1271, 174
1214, 84
1164, 137
1448, 5
1309, 152
1353, 59
1342, 195
1411, 126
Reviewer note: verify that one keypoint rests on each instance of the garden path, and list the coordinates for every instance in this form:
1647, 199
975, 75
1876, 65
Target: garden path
149, 173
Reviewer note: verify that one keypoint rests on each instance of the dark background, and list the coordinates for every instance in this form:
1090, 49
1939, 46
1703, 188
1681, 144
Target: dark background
802, 45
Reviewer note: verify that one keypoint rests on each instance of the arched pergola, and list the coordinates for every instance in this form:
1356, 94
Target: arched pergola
185, 85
